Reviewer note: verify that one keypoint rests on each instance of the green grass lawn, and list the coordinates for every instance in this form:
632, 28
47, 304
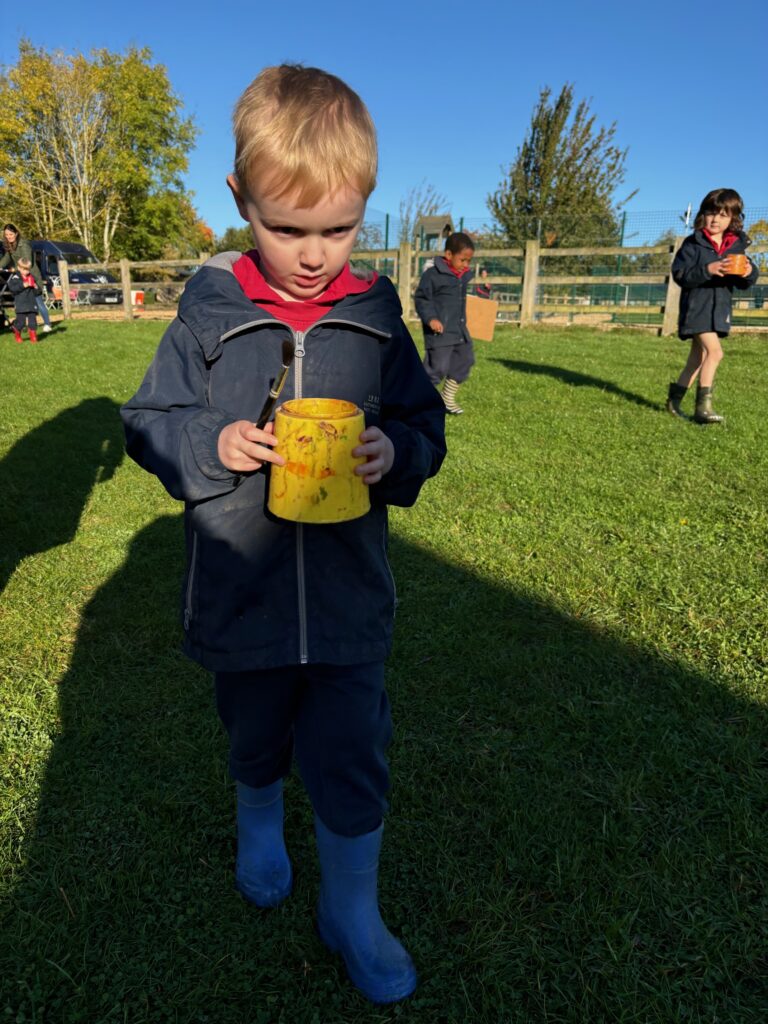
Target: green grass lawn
578, 827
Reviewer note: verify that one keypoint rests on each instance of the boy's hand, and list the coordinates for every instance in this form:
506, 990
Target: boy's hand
718, 268
436, 326
378, 450
244, 448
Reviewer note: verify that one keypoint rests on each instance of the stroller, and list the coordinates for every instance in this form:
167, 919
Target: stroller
5, 320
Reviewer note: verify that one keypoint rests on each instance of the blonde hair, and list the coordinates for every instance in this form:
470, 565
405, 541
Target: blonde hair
303, 131
24, 262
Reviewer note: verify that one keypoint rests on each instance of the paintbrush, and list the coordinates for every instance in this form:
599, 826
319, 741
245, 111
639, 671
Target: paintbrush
277, 386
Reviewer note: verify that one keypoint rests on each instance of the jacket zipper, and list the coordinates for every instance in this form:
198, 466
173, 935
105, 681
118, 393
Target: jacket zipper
298, 386
190, 583
298, 340
298, 390
298, 337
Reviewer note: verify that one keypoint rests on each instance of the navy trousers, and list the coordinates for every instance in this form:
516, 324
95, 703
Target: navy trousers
28, 320
337, 719
454, 361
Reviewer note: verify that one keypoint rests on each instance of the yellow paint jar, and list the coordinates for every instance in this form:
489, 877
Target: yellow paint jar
318, 483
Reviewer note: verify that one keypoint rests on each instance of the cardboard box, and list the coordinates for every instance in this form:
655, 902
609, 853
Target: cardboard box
481, 317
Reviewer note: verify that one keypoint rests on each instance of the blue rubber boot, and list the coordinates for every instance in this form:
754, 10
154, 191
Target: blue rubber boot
348, 917
263, 872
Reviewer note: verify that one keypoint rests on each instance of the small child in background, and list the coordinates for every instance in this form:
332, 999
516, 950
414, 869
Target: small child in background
707, 275
25, 290
482, 287
441, 303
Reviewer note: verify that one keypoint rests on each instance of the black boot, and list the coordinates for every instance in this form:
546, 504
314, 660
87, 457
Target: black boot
674, 398
704, 413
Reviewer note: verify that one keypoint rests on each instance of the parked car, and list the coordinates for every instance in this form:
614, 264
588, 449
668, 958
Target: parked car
47, 254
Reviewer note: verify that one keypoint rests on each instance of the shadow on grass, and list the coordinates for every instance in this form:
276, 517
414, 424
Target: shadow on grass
58, 328
46, 478
578, 380
573, 836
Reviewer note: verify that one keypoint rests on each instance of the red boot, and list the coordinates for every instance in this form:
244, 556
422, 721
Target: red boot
33, 336
17, 336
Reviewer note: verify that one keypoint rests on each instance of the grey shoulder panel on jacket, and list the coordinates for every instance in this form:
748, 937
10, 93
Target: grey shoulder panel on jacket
223, 261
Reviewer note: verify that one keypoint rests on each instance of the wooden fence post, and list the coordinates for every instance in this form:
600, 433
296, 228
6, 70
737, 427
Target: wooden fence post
530, 283
672, 300
125, 281
66, 302
404, 278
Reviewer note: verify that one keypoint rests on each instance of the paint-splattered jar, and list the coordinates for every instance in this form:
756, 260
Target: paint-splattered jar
318, 483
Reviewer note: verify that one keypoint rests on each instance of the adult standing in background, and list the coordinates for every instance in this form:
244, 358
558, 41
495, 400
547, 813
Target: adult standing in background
14, 249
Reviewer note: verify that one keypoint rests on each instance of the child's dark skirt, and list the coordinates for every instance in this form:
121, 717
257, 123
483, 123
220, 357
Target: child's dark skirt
690, 337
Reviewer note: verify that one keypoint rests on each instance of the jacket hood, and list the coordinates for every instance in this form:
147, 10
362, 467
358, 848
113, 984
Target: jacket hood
214, 306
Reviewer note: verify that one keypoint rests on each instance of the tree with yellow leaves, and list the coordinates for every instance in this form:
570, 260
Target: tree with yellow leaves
92, 149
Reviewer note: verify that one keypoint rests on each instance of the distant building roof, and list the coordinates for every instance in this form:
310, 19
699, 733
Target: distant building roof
439, 225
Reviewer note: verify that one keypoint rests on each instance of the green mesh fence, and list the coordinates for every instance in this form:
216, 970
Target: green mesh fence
639, 301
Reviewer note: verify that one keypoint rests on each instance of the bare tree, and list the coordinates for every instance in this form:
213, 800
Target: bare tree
370, 236
71, 138
422, 200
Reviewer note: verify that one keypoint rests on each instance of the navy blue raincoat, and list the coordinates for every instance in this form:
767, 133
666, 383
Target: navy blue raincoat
443, 296
705, 303
259, 591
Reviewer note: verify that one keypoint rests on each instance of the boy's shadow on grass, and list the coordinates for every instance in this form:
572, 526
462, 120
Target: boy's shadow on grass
558, 796
47, 477
576, 379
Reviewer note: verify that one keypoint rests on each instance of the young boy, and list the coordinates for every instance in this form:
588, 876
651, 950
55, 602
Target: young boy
441, 302
25, 290
295, 621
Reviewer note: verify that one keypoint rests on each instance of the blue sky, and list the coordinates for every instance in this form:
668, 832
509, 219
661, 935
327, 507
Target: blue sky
451, 85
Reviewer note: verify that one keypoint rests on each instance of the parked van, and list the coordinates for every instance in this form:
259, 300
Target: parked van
47, 255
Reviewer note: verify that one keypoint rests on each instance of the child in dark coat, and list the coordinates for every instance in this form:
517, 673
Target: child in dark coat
25, 290
441, 302
295, 619
707, 273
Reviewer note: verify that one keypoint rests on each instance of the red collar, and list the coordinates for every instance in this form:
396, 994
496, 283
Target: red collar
453, 270
727, 240
300, 315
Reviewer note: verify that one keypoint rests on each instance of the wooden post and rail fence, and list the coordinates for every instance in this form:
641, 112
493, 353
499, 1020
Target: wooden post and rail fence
68, 292
533, 305
404, 266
